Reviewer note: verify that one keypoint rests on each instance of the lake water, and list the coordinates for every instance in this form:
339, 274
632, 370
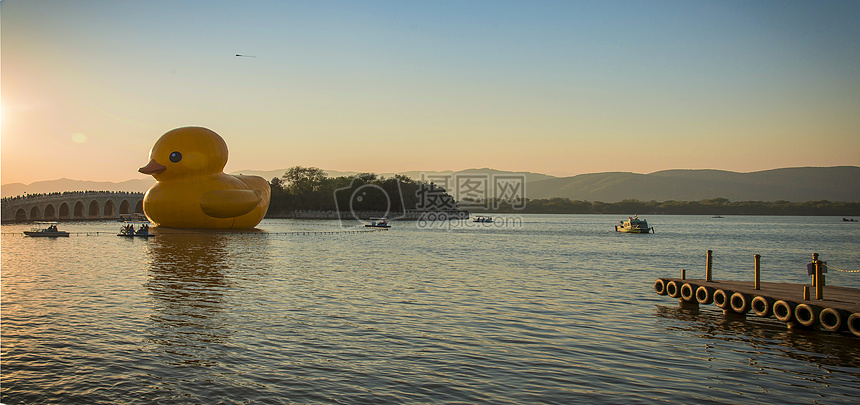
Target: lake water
534, 309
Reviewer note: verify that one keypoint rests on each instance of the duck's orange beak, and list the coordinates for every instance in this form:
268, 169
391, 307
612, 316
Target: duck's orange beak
152, 168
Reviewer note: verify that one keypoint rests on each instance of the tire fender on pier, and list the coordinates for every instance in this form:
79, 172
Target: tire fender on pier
740, 302
762, 306
722, 298
705, 295
807, 315
660, 286
854, 323
673, 289
833, 319
688, 292
784, 310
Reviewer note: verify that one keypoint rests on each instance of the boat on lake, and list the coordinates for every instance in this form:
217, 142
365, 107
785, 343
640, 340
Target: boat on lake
378, 223
127, 230
136, 217
483, 219
46, 230
633, 225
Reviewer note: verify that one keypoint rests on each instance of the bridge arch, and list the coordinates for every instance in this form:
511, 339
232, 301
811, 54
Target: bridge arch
110, 209
21, 215
35, 214
64, 211
124, 208
93, 210
79, 210
50, 212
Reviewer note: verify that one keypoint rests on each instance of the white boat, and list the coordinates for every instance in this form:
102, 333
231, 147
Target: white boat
378, 223
128, 231
47, 230
482, 219
633, 225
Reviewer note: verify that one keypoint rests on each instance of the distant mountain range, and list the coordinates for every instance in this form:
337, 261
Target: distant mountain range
796, 184
530, 177
60, 185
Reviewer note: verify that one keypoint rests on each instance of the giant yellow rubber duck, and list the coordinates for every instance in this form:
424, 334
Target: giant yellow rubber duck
192, 191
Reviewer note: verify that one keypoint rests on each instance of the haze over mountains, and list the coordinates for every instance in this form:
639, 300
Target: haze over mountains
797, 184
791, 184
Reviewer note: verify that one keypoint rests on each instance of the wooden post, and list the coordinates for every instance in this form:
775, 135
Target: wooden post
814, 273
823, 265
806, 293
757, 272
683, 274
819, 284
708, 266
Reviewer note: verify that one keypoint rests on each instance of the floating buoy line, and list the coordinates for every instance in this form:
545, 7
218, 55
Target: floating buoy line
262, 233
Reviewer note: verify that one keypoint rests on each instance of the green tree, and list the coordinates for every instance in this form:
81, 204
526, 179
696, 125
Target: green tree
301, 180
277, 185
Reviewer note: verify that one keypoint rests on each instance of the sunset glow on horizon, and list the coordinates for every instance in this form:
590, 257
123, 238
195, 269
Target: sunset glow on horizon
561, 88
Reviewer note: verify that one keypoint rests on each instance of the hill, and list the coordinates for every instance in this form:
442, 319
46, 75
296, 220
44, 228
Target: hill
60, 185
796, 184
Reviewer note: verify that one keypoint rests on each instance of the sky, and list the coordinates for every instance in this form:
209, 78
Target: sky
556, 87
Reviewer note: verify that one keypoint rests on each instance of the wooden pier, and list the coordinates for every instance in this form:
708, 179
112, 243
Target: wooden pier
816, 306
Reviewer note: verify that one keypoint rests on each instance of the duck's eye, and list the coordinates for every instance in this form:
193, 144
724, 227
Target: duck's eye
175, 157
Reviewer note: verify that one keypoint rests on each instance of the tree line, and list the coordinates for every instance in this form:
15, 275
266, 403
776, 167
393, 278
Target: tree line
713, 206
310, 189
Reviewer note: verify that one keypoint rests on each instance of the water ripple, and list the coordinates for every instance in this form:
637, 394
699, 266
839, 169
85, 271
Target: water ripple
559, 311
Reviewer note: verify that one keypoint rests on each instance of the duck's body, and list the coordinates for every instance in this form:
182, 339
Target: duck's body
193, 192
217, 201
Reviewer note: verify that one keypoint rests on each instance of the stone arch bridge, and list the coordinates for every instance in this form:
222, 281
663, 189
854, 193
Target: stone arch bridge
72, 205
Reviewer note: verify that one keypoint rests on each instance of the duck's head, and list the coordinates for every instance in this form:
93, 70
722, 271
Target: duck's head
187, 151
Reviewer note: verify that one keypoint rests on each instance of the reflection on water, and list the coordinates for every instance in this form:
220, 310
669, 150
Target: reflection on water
561, 310
769, 336
186, 282
191, 279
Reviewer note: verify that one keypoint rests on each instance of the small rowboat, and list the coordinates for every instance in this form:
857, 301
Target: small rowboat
46, 230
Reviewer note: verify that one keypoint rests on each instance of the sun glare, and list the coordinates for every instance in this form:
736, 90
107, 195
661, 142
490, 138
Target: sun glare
78, 137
